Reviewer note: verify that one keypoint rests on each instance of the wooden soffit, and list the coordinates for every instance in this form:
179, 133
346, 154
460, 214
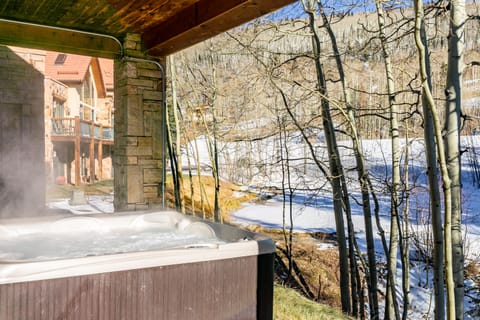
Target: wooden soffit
97, 27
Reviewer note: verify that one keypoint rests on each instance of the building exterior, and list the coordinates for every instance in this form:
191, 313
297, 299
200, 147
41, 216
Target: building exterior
78, 118
77, 96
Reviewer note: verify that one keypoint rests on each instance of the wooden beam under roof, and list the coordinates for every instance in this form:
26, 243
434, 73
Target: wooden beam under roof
166, 27
58, 39
204, 19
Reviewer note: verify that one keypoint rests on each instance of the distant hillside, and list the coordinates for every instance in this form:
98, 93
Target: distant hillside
231, 74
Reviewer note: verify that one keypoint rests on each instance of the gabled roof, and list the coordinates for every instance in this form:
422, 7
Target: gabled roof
66, 67
72, 68
106, 67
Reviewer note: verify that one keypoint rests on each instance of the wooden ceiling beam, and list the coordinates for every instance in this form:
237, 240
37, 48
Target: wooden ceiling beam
202, 20
57, 39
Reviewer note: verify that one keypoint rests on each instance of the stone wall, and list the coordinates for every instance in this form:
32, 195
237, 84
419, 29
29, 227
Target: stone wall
22, 135
138, 130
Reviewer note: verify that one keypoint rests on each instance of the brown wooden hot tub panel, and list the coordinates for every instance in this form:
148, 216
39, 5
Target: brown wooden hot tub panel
219, 289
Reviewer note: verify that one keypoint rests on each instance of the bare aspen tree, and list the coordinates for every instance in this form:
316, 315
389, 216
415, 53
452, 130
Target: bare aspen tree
173, 158
214, 152
199, 178
194, 115
309, 8
286, 196
405, 238
391, 304
453, 113
190, 177
186, 135
213, 155
433, 112
430, 146
206, 114
362, 176
177, 144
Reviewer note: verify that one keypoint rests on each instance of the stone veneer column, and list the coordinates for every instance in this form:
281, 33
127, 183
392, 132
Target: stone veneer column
138, 130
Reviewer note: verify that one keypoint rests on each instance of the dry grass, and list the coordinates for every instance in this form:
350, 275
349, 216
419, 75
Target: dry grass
472, 271
230, 196
319, 268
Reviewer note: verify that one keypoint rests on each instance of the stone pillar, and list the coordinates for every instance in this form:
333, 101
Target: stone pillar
138, 130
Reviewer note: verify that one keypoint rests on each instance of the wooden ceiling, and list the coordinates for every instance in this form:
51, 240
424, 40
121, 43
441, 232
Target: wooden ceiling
166, 26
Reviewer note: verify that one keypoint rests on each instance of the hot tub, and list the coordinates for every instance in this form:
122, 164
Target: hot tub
153, 265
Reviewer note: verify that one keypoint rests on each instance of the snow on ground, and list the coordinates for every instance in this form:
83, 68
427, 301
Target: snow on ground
94, 204
317, 215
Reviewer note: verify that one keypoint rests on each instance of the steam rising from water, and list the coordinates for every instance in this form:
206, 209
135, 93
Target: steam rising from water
22, 185
22, 135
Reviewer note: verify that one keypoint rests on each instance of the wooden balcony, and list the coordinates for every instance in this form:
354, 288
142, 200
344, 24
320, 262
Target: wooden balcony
69, 129
72, 137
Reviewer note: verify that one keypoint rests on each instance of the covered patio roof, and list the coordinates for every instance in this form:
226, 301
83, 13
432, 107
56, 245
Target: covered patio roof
166, 26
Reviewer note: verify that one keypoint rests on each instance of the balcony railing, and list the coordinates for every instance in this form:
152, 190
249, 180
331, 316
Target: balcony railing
87, 129
63, 126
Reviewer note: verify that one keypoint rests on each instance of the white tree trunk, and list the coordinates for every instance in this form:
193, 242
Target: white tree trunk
173, 84
453, 91
333, 156
428, 98
362, 177
392, 311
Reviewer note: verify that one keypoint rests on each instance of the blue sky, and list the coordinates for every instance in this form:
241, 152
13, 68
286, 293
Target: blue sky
295, 10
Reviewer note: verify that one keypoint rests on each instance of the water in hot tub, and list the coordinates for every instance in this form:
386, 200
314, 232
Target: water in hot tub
64, 245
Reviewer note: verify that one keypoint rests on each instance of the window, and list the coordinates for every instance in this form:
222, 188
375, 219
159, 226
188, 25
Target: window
61, 57
58, 108
88, 90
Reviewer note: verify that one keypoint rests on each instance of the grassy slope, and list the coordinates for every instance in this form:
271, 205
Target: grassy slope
289, 305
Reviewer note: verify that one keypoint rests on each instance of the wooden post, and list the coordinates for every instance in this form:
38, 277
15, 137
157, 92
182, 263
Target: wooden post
100, 154
92, 152
69, 172
77, 151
